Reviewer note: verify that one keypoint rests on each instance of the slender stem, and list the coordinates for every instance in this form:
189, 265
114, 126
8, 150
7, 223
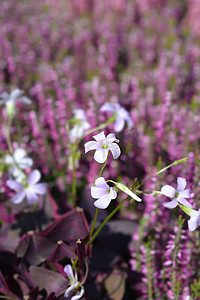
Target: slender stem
121, 203
74, 189
6, 297
175, 163
8, 135
75, 262
86, 272
103, 165
106, 220
93, 225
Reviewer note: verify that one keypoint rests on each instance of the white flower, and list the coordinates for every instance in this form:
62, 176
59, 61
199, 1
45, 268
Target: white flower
74, 283
80, 126
102, 146
10, 100
16, 162
121, 115
29, 189
194, 220
103, 193
178, 195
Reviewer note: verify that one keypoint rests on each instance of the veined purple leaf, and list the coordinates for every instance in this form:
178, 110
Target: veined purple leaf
69, 227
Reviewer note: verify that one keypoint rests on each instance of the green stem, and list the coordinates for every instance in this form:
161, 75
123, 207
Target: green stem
8, 136
106, 220
74, 190
175, 163
121, 203
6, 297
103, 166
93, 225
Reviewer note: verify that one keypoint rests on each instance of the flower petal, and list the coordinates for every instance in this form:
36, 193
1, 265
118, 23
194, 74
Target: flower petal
100, 136
101, 155
68, 290
181, 184
16, 94
34, 177
97, 192
68, 270
111, 138
171, 204
14, 185
107, 107
192, 225
25, 100
39, 188
19, 154
185, 194
119, 124
19, 197
168, 191
114, 148
183, 202
102, 202
31, 196
113, 194
78, 294
25, 162
100, 182
92, 145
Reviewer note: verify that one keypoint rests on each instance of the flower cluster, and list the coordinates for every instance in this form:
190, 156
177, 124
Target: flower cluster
101, 190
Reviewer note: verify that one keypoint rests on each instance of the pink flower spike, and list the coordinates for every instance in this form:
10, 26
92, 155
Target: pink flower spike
178, 195
102, 146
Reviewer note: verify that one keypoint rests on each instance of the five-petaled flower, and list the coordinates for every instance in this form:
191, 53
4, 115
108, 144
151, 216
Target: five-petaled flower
10, 100
16, 162
74, 284
80, 126
103, 192
121, 115
178, 195
102, 146
28, 189
194, 220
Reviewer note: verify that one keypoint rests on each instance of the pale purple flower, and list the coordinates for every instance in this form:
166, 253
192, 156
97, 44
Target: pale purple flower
103, 192
80, 127
16, 162
74, 284
10, 100
121, 114
177, 195
102, 146
29, 189
194, 220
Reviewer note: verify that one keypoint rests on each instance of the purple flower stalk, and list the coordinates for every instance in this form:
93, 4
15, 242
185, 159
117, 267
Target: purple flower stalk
29, 189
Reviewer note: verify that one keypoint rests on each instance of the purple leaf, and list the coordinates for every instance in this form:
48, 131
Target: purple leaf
48, 280
69, 227
62, 250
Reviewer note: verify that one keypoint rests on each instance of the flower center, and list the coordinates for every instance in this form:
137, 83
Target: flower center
25, 185
176, 195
